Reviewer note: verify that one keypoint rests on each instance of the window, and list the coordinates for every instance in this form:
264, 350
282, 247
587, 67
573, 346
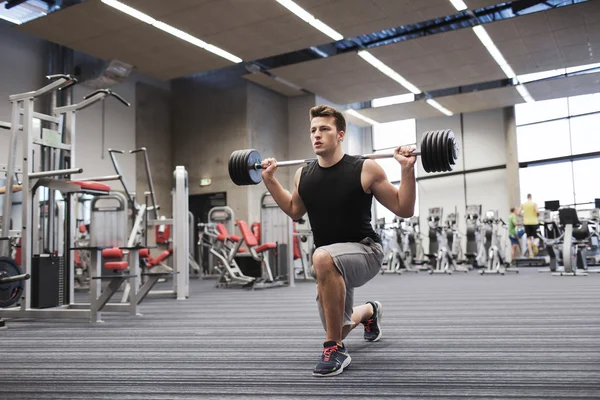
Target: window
529, 113
585, 174
568, 128
383, 212
386, 137
393, 134
544, 140
585, 134
585, 104
548, 182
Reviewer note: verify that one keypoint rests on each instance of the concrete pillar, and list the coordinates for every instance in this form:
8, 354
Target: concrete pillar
512, 160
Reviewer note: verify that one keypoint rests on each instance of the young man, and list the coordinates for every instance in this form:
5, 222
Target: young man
530, 222
337, 191
512, 234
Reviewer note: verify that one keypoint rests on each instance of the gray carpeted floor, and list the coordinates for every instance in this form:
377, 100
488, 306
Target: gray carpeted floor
530, 336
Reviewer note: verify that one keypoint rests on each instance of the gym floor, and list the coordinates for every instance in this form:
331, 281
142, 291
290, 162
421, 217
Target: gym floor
530, 335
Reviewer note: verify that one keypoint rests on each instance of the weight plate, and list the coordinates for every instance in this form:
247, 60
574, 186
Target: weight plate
443, 160
239, 179
255, 175
455, 149
436, 145
241, 168
425, 152
233, 167
448, 151
242, 171
10, 293
430, 154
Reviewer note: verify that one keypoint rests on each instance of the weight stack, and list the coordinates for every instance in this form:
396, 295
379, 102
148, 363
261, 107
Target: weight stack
48, 281
278, 261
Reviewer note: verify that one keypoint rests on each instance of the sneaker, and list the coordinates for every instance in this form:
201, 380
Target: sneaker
372, 329
333, 360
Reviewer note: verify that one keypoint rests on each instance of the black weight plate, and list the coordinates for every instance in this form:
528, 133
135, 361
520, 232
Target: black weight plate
440, 151
434, 150
425, 152
447, 151
444, 157
239, 168
430, 152
255, 175
10, 293
242, 168
236, 168
233, 167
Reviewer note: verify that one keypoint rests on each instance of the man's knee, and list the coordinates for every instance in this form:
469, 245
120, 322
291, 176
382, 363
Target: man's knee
322, 262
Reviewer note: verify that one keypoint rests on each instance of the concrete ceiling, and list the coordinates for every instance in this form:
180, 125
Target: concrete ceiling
358, 17
448, 59
460, 103
343, 79
254, 29
559, 38
481, 100
563, 87
396, 112
270, 83
249, 29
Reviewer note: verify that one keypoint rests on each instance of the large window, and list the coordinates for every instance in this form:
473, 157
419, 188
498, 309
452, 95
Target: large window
386, 137
564, 128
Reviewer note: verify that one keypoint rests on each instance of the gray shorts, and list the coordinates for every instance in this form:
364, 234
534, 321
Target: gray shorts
358, 263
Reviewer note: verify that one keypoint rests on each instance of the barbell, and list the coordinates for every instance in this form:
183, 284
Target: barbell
439, 152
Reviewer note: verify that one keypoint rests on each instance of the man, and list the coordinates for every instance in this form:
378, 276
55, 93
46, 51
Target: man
512, 234
530, 222
337, 191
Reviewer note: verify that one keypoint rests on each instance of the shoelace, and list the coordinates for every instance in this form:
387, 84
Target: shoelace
368, 325
327, 351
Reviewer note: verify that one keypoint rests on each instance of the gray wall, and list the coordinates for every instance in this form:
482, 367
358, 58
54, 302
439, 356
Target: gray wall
482, 140
267, 127
23, 68
209, 120
153, 131
102, 126
299, 144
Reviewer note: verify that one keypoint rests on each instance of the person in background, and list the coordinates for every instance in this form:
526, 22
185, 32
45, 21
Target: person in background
512, 234
530, 212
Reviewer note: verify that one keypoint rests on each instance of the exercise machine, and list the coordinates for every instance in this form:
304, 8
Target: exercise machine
47, 253
574, 241
413, 248
444, 261
476, 254
454, 237
497, 253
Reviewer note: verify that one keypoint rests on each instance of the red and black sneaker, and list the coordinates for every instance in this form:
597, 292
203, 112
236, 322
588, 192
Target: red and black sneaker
372, 325
333, 360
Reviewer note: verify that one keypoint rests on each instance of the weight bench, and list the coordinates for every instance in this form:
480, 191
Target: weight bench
152, 277
100, 297
260, 253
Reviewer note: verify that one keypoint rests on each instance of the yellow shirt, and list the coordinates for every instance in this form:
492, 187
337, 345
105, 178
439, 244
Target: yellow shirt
529, 214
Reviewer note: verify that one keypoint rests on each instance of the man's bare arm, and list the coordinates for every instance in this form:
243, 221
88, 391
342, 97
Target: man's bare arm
291, 204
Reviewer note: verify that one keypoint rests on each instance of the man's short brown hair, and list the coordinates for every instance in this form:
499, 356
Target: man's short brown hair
328, 111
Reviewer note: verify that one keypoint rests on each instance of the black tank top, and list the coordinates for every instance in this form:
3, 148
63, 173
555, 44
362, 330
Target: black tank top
338, 208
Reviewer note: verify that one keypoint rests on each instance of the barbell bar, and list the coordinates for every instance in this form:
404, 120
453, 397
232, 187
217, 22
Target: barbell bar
438, 152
